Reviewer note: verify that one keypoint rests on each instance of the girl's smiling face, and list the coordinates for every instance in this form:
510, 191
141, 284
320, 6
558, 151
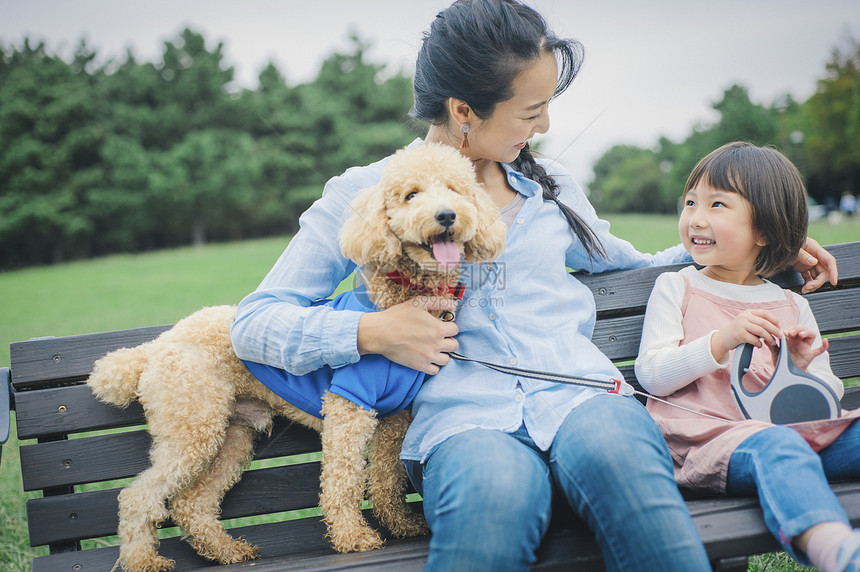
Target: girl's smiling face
502, 136
716, 229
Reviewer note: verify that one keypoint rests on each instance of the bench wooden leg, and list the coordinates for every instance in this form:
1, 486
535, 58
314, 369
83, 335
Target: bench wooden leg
733, 564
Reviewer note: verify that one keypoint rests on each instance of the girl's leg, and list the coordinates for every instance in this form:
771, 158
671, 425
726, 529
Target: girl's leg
841, 460
778, 465
487, 498
613, 466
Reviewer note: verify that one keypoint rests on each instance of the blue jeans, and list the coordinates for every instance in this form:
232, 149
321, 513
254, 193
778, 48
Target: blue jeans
487, 494
791, 479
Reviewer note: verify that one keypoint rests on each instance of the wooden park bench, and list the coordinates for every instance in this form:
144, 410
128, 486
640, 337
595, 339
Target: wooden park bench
80, 441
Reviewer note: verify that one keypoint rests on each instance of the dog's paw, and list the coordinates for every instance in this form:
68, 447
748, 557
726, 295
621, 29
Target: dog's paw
356, 540
224, 549
151, 564
240, 551
411, 524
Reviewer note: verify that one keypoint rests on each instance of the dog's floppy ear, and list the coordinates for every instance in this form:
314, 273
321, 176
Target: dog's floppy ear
489, 240
365, 237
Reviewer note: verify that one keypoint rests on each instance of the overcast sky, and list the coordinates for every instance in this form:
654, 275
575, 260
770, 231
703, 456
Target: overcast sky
652, 67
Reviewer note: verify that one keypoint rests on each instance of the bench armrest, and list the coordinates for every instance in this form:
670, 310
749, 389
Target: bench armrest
5, 404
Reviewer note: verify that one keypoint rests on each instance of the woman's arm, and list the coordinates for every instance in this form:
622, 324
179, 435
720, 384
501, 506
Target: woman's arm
276, 323
664, 365
816, 265
620, 254
820, 365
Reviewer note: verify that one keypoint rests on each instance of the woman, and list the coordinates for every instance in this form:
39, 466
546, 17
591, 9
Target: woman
487, 450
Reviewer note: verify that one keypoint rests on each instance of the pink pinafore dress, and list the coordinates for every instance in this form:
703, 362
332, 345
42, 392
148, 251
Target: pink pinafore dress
701, 447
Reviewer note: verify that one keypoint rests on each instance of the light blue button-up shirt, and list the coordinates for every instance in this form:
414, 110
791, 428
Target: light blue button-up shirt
525, 309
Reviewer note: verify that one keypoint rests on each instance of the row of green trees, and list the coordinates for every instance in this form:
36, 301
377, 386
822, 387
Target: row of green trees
99, 157
120, 155
821, 136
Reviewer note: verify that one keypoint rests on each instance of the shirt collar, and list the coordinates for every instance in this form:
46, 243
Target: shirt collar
520, 182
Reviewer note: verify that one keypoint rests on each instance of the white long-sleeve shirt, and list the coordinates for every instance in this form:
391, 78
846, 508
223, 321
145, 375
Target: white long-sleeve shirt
664, 366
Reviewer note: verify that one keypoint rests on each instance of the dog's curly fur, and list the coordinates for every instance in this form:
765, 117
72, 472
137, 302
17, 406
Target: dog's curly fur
204, 408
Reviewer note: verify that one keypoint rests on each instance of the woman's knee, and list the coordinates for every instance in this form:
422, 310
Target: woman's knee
607, 432
488, 472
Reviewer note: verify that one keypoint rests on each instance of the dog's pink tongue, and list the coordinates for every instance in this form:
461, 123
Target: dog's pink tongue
445, 252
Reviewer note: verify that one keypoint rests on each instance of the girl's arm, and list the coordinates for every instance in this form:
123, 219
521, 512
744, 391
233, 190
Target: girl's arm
663, 365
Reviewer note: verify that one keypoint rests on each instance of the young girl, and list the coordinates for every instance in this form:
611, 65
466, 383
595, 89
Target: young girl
744, 217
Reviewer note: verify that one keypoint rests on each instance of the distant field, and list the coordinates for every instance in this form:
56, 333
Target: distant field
128, 291
159, 288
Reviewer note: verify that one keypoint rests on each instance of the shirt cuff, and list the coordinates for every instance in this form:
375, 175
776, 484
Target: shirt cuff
340, 338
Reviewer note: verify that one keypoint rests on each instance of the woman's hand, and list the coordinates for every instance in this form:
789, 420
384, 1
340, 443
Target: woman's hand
408, 334
799, 340
816, 265
750, 327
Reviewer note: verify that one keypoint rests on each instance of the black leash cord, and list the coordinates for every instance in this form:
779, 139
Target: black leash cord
617, 386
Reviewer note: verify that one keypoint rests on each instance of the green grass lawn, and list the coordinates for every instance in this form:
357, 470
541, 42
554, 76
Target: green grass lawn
157, 288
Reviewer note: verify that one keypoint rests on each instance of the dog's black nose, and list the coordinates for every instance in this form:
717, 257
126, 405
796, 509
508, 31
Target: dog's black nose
446, 217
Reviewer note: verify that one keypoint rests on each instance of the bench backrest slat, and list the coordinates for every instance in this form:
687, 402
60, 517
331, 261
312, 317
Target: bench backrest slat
120, 455
70, 409
94, 513
48, 361
627, 291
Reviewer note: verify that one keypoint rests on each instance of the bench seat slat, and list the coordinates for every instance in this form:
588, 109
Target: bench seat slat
305, 536
728, 526
294, 545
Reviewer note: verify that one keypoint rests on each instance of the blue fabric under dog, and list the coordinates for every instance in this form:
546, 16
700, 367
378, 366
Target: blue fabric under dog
373, 382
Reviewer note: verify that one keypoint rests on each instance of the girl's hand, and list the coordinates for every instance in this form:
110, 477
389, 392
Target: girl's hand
750, 327
816, 265
800, 340
408, 334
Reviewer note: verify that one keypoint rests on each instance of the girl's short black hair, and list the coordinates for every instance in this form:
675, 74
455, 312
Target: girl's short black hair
473, 52
772, 186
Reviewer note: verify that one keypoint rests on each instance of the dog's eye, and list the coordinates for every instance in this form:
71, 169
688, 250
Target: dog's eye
411, 195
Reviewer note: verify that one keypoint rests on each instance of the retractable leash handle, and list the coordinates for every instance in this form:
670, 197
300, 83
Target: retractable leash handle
791, 396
